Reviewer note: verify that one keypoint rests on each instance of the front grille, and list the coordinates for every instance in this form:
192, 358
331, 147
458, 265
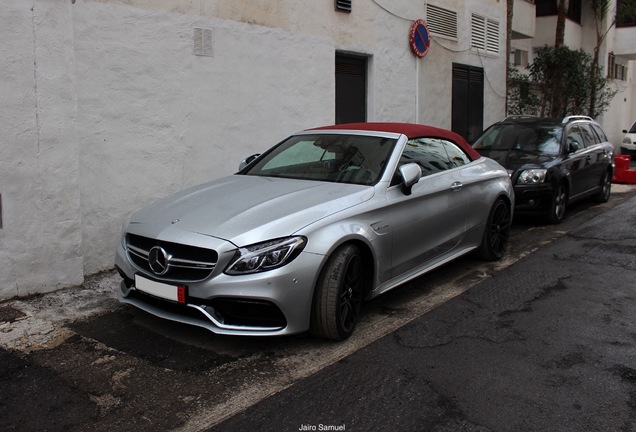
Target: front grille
185, 263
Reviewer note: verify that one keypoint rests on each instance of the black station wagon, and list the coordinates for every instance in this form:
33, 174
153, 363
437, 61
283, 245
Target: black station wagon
551, 162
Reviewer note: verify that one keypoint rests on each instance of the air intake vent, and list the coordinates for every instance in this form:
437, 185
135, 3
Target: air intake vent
203, 42
441, 22
342, 5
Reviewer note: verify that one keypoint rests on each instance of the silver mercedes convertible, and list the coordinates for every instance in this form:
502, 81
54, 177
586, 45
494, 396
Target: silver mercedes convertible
302, 234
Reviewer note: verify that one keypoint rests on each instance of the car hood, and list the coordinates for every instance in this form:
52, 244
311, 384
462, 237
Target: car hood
512, 160
246, 209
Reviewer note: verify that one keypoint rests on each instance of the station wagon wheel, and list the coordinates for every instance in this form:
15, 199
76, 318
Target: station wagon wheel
497, 232
603, 195
558, 204
339, 294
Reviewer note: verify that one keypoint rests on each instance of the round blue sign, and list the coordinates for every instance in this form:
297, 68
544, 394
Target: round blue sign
420, 38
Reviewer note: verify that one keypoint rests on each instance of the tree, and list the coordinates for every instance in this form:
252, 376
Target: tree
562, 12
557, 84
509, 15
559, 41
522, 99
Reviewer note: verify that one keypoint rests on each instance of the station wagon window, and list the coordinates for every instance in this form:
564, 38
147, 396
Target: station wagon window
433, 155
599, 132
543, 139
588, 135
575, 138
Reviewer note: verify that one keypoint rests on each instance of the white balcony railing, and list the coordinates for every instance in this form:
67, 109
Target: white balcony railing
624, 45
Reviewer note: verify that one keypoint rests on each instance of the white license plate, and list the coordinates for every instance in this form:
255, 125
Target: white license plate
158, 289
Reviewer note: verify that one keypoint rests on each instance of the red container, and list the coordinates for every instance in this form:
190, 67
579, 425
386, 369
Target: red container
622, 173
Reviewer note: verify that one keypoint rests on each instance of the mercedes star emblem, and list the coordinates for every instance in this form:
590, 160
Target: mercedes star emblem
158, 260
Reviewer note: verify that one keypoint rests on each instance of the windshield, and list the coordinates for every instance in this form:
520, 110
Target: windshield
337, 158
529, 138
633, 129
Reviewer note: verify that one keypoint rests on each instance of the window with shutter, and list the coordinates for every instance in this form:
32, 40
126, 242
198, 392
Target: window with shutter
484, 34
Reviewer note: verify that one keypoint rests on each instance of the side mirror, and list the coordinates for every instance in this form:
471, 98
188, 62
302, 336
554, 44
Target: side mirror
572, 145
624, 130
248, 160
410, 174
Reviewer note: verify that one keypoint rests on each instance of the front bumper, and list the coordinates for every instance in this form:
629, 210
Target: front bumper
531, 199
276, 302
628, 149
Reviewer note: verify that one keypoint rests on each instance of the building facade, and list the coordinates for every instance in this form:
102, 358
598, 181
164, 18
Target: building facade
617, 52
111, 104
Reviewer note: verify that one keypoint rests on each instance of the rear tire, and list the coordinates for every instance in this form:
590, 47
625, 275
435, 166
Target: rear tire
497, 232
558, 204
603, 195
339, 293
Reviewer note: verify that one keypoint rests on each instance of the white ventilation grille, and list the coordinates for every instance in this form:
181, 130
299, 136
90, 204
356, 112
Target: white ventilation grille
441, 22
484, 34
203, 42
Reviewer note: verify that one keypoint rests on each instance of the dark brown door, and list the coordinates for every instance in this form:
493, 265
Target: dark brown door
468, 101
351, 89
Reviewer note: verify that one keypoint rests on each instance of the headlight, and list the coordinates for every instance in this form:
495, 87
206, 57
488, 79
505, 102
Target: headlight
532, 176
124, 227
265, 256
627, 140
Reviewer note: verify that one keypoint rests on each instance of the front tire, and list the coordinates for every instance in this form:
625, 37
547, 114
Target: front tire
339, 294
497, 232
558, 204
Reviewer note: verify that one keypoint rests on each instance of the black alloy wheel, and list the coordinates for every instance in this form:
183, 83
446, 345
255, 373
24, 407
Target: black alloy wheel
558, 204
339, 294
497, 231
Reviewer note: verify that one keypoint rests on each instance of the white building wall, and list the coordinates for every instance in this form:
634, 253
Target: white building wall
106, 107
39, 171
622, 112
161, 118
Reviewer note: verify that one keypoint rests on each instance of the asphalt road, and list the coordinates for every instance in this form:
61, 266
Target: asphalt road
548, 344
543, 341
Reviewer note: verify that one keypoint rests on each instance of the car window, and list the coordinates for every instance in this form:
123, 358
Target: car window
589, 137
575, 138
302, 152
541, 139
599, 131
356, 159
455, 154
429, 153
633, 128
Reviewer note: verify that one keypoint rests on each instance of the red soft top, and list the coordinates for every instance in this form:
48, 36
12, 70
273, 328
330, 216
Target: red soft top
411, 130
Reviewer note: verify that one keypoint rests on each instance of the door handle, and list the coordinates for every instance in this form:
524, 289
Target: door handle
456, 186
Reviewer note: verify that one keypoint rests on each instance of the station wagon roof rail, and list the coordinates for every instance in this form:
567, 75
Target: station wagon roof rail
520, 117
568, 119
